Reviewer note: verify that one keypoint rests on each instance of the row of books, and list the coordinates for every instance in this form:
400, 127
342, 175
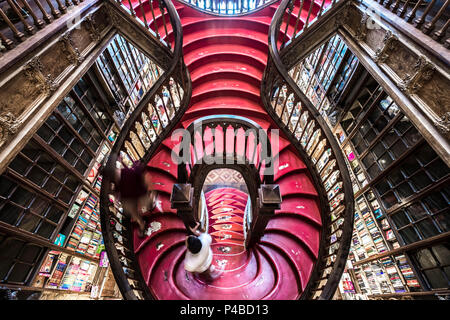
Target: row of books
86, 234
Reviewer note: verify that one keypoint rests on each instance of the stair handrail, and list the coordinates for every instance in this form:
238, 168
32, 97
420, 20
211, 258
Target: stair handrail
232, 8
148, 125
314, 141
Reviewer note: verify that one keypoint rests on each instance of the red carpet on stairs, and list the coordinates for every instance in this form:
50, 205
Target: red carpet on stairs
226, 57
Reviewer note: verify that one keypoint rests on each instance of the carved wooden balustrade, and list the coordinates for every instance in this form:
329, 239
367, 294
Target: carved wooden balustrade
432, 17
149, 124
311, 136
20, 19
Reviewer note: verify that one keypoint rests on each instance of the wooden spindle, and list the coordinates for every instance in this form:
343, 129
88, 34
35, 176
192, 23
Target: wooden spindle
133, 13
37, 22
17, 34
143, 15
309, 14
410, 16
430, 25
5, 41
28, 28
53, 10
289, 12
154, 19
418, 22
401, 11
62, 8
440, 33
321, 8
161, 8
395, 5
298, 18
47, 18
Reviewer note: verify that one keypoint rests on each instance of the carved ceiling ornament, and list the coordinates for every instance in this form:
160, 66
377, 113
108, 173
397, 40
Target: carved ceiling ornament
382, 54
443, 124
72, 53
8, 126
424, 71
34, 73
94, 33
362, 31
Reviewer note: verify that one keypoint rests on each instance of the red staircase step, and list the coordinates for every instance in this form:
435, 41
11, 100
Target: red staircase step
163, 160
305, 207
286, 286
297, 254
288, 162
307, 233
162, 222
296, 183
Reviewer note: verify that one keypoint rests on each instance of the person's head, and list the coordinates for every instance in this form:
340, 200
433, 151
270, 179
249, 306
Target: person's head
193, 244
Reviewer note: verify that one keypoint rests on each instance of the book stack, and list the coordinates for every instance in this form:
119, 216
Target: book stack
71, 274
407, 272
98, 184
57, 274
75, 237
94, 243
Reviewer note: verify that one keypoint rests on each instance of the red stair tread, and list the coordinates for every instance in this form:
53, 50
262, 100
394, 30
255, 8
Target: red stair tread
226, 84
288, 161
164, 221
305, 207
224, 226
285, 288
162, 182
304, 231
297, 254
154, 248
220, 48
226, 63
228, 218
161, 279
296, 183
163, 160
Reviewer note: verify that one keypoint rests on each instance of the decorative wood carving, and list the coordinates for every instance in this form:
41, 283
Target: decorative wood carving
94, 32
8, 126
423, 72
361, 32
390, 41
444, 123
70, 51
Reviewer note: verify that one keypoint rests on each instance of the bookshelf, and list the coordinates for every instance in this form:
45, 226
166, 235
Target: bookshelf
372, 235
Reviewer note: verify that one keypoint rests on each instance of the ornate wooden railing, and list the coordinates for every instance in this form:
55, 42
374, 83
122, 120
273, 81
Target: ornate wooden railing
432, 17
20, 19
293, 25
228, 7
252, 158
150, 123
309, 133
158, 24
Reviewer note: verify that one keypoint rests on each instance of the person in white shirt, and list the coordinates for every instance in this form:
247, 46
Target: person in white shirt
199, 255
